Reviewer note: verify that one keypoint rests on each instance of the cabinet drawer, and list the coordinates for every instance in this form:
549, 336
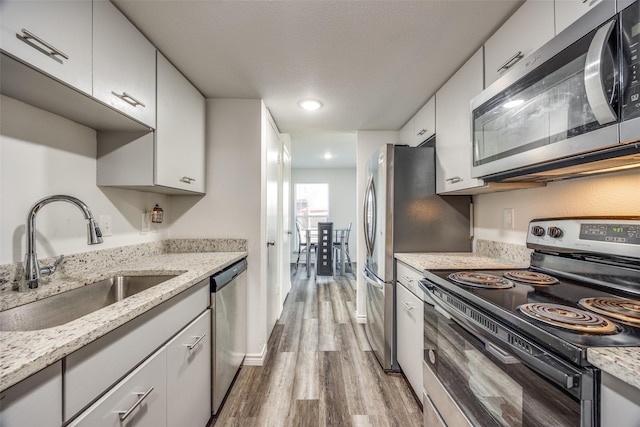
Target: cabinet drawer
97, 366
52, 36
408, 277
146, 385
189, 374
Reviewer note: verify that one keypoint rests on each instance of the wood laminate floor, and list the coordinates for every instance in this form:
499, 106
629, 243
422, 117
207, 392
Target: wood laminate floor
319, 369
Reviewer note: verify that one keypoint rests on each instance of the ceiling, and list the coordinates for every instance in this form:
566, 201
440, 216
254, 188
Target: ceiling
372, 64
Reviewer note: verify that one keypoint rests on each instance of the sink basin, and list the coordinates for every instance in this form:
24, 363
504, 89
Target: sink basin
67, 306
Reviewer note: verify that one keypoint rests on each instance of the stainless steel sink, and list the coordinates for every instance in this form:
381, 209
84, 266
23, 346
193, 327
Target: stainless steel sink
71, 305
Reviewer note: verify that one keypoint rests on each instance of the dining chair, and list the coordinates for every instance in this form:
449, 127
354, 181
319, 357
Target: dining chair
324, 251
302, 245
337, 246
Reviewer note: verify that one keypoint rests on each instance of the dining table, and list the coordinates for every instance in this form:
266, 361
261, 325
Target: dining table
340, 235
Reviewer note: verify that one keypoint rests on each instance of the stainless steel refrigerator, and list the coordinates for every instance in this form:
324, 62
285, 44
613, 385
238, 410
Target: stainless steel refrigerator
403, 213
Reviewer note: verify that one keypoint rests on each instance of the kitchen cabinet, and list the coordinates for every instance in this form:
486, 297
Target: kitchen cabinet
51, 36
35, 401
531, 26
424, 122
618, 397
124, 65
568, 11
410, 321
170, 160
188, 384
139, 399
453, 125
91, 370
406, 133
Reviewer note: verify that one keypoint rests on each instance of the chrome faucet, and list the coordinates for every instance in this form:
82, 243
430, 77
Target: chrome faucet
31, 267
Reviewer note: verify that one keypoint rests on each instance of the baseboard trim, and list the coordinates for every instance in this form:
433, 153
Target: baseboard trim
256, 359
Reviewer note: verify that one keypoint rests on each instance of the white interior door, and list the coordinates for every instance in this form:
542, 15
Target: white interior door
274, 243
285, 217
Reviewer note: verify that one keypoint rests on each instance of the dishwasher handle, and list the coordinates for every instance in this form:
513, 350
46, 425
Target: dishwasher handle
226, 276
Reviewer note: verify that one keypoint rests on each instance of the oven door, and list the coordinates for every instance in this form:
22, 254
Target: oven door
471, 380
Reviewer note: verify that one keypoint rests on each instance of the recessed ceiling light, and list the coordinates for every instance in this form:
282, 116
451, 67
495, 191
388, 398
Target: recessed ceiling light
328, 156
310, 104
514, 103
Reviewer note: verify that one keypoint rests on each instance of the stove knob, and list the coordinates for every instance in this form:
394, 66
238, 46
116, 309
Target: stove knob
554, 232
536, 230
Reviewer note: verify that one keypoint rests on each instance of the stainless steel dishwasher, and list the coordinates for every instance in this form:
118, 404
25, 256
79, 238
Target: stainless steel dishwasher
228, 329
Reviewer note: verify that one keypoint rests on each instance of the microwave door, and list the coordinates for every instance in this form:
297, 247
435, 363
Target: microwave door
600, 80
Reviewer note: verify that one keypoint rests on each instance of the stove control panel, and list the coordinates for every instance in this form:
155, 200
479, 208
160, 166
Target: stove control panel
610, 236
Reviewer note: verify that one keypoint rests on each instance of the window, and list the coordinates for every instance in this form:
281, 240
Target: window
311, 204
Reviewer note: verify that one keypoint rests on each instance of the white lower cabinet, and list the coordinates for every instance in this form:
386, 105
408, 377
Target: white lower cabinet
188, 375
138, 400
35, 401
410, 327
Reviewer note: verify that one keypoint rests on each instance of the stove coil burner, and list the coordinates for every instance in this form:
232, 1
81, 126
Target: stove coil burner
481, 280
626, 310
569, 318
531, 277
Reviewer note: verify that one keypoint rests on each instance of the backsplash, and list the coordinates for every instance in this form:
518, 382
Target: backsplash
518, 254
85, 264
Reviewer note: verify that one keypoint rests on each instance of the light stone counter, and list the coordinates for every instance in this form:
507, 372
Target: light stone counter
621, 362
455, 260
24, 353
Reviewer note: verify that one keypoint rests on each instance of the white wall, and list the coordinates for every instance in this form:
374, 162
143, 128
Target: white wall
368, 143
42, 154
232, 207
612, 194
343, 201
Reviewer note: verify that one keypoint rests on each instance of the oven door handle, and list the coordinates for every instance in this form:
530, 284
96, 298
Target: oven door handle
543, 362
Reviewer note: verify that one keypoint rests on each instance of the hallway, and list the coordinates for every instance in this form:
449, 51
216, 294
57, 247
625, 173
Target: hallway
319, 369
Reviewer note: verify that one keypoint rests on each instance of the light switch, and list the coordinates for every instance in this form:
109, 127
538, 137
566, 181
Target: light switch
508, 218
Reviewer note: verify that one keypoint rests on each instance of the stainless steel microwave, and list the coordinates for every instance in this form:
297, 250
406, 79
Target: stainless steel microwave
570, 108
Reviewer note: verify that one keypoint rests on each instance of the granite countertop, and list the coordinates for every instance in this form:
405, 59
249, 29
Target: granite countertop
455, 260
621, 362
25, 353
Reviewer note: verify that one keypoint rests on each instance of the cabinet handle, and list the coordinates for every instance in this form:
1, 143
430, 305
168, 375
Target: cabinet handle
271, 242
408, 306
511, 61
125, 414
53, 51
187, 180
409, 279
454, 179
129, 99
196, 342
422, 132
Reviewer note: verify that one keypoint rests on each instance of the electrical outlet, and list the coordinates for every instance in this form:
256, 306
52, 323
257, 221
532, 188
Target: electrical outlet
105, 225
508, 218
146, 223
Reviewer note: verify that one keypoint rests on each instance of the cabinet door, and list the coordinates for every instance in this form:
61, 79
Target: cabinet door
189, 375
138, 400
531, 26
569, 11
406, 133
180, 144
52, 36
410, 336
424, 122
35, 401
453, 124
124, 65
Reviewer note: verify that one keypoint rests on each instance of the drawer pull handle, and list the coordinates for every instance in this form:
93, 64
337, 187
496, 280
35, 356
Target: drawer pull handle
125, 414
196, 342
511, 61
454, 179
422, 132
52, 51
129, 99
187, 180
408, 306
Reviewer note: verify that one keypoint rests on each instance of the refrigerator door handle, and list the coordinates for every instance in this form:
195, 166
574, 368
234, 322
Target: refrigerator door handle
373, 281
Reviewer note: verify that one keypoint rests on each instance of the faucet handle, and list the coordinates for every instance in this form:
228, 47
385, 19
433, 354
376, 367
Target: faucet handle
52, 269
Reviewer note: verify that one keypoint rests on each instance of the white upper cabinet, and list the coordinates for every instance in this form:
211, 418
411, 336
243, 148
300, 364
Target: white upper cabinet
568, 11
453, 126
180, 139
424, 122
406, 133
531, 26
124, 65
52, 36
